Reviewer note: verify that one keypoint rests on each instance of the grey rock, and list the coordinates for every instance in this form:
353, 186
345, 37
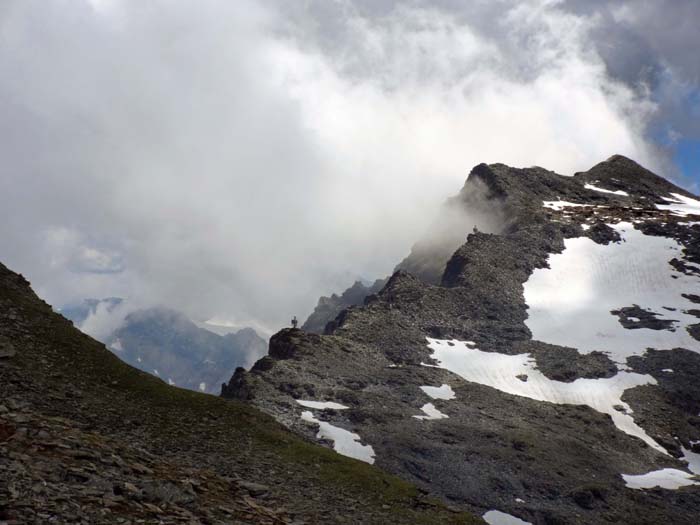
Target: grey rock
255, 489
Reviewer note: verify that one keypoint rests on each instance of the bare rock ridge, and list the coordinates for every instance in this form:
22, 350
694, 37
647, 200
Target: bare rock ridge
545, 368
328, 308
86, 438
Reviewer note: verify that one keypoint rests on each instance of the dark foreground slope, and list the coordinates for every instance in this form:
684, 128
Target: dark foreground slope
517, 425
85, 438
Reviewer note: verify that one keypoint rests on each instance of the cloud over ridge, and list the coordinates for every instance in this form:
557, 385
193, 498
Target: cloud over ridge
239, 159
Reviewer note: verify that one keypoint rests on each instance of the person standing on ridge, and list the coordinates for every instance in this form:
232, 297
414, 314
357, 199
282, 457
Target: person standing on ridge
294, 322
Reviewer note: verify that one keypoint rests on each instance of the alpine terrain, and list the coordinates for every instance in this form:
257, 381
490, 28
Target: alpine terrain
86, 438
534, 360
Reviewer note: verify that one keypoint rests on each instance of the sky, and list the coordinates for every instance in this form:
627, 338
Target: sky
236, 160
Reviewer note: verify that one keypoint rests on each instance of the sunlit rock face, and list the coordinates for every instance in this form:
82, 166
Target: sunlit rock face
546, 374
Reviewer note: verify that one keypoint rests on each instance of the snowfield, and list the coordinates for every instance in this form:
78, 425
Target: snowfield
667, 478
431, 413
681, 205
501, 372
439, 392
569, 303
322, 405
602, 190
560, 205
344, 442
496, 517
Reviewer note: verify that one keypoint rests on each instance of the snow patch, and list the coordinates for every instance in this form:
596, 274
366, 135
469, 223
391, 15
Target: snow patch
171, 382
321, 404
602, 190
431, 413
496, 517
156, 372
667, 478
344, 442
681, 205
692, 459
501, 372
560, 205
668, 370
439, 392
203, 387
569, 303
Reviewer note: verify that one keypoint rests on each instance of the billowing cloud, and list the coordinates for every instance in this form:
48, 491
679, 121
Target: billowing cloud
238, 159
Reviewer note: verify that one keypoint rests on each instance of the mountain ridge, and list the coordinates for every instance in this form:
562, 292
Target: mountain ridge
86, 437
525, 402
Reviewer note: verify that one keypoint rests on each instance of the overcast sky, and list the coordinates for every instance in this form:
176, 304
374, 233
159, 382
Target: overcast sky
239, 159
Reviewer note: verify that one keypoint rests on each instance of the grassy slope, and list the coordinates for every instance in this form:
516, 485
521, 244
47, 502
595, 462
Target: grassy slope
62, 372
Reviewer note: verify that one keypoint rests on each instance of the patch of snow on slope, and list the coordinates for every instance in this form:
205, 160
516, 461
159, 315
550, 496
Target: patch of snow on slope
569, 303
439, 392
681, 205
344, 442
560, 205
496, 517
500, 371
693, 460
321, 404
431, 413
602, 190
667, 478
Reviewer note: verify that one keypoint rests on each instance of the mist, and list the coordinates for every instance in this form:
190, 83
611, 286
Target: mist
236, 160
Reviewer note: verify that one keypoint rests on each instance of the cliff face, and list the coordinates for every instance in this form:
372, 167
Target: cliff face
548, 371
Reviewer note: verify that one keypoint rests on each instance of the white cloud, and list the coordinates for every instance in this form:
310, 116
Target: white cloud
237, 165
105, 320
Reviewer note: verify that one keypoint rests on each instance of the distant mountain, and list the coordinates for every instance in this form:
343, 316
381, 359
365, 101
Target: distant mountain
167, 344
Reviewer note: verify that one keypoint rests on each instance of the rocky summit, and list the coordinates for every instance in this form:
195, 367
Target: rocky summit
535, 359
